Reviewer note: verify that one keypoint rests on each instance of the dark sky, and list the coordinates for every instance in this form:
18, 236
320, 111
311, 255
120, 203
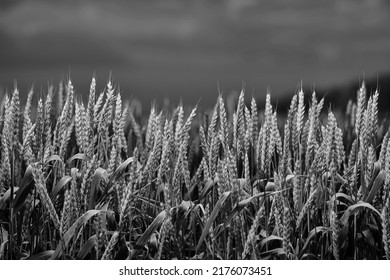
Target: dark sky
182, 49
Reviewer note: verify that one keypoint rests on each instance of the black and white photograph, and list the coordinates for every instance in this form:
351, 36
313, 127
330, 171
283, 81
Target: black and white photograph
224, 130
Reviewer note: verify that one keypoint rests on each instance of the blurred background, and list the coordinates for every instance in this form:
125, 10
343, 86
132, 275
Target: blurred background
184, 50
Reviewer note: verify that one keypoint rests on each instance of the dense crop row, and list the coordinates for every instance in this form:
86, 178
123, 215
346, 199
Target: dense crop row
102, 181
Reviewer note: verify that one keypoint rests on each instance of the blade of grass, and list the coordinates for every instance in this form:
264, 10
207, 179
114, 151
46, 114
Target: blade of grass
213, 216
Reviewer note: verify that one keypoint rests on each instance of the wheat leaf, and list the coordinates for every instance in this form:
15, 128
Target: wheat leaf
58, 187
213, 216
72, 230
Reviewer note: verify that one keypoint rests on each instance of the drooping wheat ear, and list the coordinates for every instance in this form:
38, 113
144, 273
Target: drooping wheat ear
250, 240
26, 115
107, 255
40, 186
361, 103
386, 228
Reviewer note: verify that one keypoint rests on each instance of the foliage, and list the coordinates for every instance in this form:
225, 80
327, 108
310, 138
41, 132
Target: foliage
101, 181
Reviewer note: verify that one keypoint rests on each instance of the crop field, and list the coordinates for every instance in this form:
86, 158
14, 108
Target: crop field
103, 180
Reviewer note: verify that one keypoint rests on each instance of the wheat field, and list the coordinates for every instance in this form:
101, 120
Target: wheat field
102, 180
